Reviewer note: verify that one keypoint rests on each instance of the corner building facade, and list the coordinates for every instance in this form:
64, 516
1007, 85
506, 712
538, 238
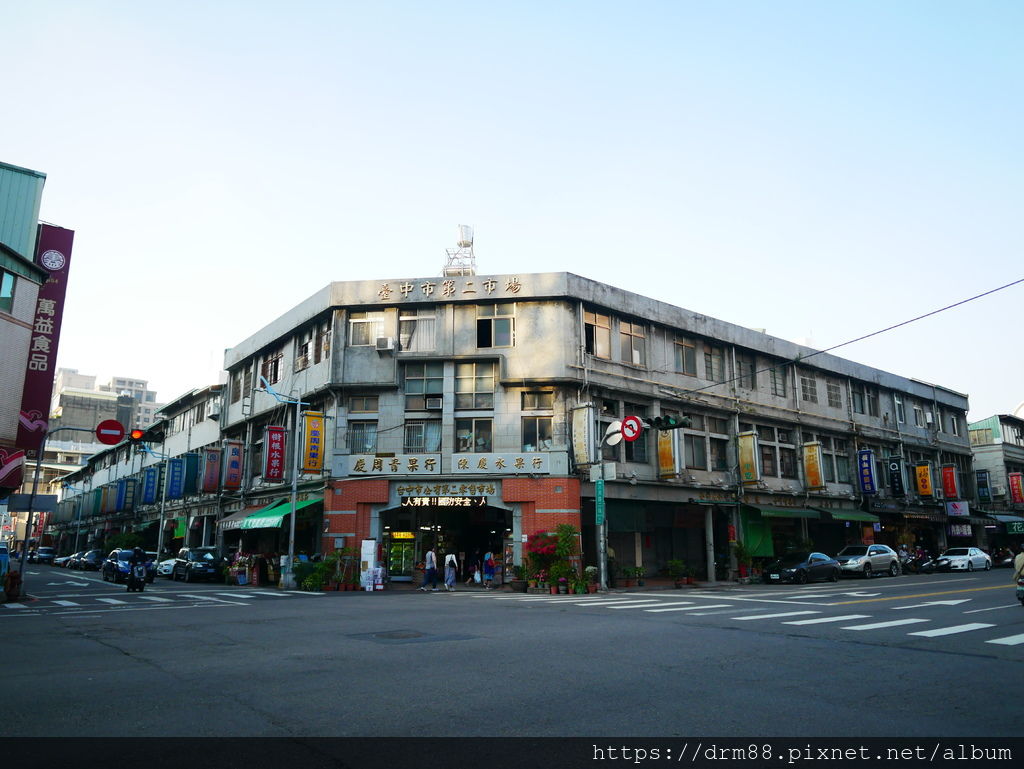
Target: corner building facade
467, 412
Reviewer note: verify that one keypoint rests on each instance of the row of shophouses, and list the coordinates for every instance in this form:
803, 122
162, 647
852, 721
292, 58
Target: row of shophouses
468, 412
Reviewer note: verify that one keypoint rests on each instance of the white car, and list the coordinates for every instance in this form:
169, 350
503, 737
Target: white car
165, 568
963, 559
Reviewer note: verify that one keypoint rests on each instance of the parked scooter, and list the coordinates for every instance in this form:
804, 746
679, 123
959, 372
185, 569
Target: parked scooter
136, 578
921, 564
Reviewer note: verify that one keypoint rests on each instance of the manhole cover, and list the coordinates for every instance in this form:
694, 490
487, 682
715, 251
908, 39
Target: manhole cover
407, 637
398, 635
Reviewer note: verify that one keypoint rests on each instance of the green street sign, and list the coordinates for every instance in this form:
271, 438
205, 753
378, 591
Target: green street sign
599, 501
1015, 527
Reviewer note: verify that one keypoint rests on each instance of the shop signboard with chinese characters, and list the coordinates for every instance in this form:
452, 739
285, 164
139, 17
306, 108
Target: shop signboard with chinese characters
468, 288
211, 470
399, 464
313, 443
984, 489
150, 481
923, 476
175, 482
1016, 487
896, 486
273, 451
750, 470
814, 478
958, 509
669, 465
950, 482
959, 530
866, 471
232, 464
500, 464
478, 494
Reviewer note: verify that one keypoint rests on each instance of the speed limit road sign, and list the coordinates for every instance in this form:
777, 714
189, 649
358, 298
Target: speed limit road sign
631, 428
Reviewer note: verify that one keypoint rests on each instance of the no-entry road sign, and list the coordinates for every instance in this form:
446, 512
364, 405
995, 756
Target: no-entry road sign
110, 431
631, 428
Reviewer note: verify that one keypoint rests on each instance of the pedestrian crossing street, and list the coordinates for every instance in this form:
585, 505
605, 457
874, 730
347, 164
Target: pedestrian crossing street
747, 614
84, 603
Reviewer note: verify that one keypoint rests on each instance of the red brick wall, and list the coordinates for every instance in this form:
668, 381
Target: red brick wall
543, 505
351, 495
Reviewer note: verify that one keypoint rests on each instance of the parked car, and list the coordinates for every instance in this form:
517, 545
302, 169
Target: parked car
73, 561
194, 563
116, 567
44, 555
801, 567
61, 561
963, 559
868, 560
91, 560
166, 568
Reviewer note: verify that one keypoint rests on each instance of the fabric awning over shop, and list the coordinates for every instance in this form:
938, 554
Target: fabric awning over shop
273, 516
784, 512
850, 515
234, 520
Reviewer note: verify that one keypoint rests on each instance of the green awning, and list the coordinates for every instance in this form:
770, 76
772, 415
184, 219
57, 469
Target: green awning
851, 515
784, 512
273, 515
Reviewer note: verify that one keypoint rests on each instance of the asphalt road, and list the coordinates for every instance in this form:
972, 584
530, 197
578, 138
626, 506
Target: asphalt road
907, 656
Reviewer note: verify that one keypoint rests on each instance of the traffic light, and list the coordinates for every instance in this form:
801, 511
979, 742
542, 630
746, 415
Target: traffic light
135, 436
152, 434
669, 422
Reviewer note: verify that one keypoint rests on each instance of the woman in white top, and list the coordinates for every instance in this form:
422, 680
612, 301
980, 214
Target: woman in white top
451, 568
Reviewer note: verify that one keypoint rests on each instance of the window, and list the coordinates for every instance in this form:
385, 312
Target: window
636, 451
808, 388
363, 404
714, 363
918, 416
597, 330
981, 437
901, 415
686, 358
719, 453
416, 329
954, 425
422, 381
768, 463
322, 342
362, 437
695, 452
271, 368
474, 386
538, 401
364, 328
747, 373
303, 348
423, 437
6, 291
473, 435
536, 433
236, 387
718, 425
778, 376
631, 343
835, 460
787, 462
872, 399
495, 325
835, 394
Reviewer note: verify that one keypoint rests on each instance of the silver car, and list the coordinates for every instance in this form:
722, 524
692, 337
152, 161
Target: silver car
868, 560
963, 559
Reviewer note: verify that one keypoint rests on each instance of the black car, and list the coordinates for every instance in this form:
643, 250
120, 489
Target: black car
73, 560
801, 567
91, 560
116, 567
195, 563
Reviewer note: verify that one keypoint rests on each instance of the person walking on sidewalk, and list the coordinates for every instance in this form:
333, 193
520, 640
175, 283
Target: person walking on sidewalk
451, 568
488, 570
429, 570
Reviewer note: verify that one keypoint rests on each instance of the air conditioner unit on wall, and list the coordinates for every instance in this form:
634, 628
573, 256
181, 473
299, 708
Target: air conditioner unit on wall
929, 418
998, 491
435, 404
385, 343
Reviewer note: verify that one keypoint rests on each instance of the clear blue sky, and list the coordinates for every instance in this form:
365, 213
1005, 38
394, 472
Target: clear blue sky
817, 169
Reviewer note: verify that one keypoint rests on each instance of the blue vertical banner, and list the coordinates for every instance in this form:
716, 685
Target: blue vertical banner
130, 486
984, 489
122, 490
175, 478
866, 471
149, 483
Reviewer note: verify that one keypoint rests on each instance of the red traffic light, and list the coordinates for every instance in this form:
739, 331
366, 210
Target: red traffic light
136, 435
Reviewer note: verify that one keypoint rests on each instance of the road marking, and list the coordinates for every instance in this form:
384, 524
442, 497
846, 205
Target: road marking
954, 602
633, 604
211, 598
15, 606
602, 602
773, 616
922, 595
1011, 640
110, 600
154, 598
992, 608
67, 603
819, 620
878, 625
951, 630
689, 608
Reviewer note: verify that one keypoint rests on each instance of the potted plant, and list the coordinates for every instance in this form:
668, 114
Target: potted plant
743, 557
677, 571
558, 577
518, 580
691, 575
639, 572
591, 574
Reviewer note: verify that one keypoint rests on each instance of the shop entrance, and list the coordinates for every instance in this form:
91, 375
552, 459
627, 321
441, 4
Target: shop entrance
468, 532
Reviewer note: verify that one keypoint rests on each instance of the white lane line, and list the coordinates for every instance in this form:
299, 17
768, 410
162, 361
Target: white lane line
820, 620
878, 625
992, 608
110, 600
15, 606
635, 604
1010, 640
67, 603
773, 616
689, 608
951, 630
602, 602
154, 598
211, 598
238, 595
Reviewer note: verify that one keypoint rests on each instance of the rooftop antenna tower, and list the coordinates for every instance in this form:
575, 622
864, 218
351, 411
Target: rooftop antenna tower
461, 259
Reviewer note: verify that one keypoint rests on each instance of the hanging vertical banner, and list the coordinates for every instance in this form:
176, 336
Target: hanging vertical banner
750, 469
313, 442
210, 471
583, 444
866, 471
53, 253
984, 489
273, 453
175, 482
150, 478
814, 478
1016, 487
923, 476
950, 482
668, 456
125, 495
232, 464
12, 467
896, 485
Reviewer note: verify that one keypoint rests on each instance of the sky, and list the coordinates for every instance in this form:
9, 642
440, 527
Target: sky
817, 170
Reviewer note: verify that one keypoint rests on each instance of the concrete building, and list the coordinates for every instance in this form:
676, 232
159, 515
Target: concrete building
998, 445
79, 402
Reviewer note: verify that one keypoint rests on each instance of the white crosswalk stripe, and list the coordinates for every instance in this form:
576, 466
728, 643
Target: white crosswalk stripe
880, 625
689, 608
820, 620
67, 603
633, 604
951, 630
155, 598
110, 600
774, 616
14, 606
1010, 640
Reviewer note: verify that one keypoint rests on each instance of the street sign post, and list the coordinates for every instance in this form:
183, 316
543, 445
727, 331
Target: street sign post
110, 432
631, 428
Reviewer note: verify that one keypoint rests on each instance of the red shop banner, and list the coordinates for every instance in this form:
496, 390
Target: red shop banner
274, 446
950, 487
1016, 488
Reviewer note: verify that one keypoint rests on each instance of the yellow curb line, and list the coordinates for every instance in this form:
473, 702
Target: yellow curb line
920, 595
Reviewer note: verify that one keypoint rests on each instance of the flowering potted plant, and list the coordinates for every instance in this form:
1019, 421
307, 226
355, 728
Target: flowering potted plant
591, 574
676, 570
542, 579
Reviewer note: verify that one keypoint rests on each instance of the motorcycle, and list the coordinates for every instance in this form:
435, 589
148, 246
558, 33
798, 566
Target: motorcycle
922, 564
136, 577
1020, 590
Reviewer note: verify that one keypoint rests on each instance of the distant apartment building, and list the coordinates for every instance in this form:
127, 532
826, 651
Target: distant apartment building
79, 402
998, 445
